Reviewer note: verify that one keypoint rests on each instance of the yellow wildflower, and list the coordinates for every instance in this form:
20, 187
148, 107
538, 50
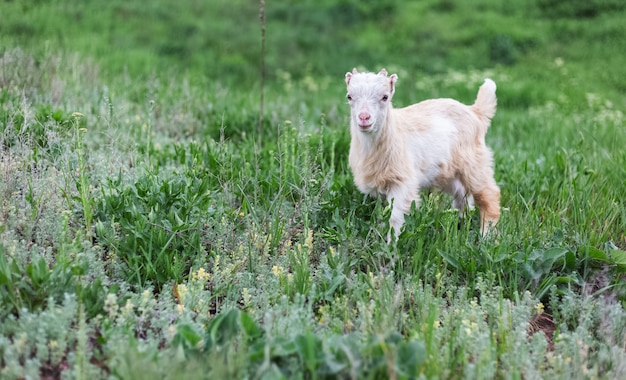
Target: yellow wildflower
182, 292
216, 265
278, 270
245, 295
539, 308
200, 275
308, 242
128, 308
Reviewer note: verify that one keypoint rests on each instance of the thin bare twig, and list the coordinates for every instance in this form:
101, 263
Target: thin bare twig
262, 16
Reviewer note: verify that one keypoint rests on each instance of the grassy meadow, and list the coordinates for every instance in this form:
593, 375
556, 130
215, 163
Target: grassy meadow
151, 227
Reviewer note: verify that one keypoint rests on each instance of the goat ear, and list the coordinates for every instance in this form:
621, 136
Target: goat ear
382, 72
392, 81
350, 74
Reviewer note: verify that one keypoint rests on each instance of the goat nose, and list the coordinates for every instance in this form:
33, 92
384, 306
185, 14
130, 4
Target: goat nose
364, 116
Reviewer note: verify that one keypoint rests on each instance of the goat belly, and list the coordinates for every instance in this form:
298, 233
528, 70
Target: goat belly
428, 176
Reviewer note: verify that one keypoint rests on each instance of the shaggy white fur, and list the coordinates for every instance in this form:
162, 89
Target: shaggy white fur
437, 143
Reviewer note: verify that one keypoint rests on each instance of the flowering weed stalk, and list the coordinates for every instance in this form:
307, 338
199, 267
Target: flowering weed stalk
82, 182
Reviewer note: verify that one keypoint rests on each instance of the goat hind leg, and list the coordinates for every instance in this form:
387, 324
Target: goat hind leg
461, 198
488, 202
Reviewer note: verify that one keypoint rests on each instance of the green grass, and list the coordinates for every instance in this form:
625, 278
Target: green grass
147, 230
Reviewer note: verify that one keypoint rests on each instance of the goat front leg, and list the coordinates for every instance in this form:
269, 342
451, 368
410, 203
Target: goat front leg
400, 198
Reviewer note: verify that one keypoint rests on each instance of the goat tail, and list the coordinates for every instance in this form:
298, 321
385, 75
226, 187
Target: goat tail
485, 105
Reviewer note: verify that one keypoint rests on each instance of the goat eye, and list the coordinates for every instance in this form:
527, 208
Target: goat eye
349, 98
385, 98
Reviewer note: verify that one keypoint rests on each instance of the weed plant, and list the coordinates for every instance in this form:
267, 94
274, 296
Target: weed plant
149, 230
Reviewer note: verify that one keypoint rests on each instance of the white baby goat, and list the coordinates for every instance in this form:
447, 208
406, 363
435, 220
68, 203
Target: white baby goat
437, 143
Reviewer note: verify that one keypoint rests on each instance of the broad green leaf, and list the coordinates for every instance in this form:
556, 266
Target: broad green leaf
308, 346
185, 333
250, 328
411, 356
223, 327
619, 257
450, 259
595, 253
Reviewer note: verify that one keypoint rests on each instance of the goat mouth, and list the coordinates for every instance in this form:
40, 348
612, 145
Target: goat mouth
365, 127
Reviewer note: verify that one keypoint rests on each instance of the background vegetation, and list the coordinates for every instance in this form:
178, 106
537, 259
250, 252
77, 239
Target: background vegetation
148, 230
